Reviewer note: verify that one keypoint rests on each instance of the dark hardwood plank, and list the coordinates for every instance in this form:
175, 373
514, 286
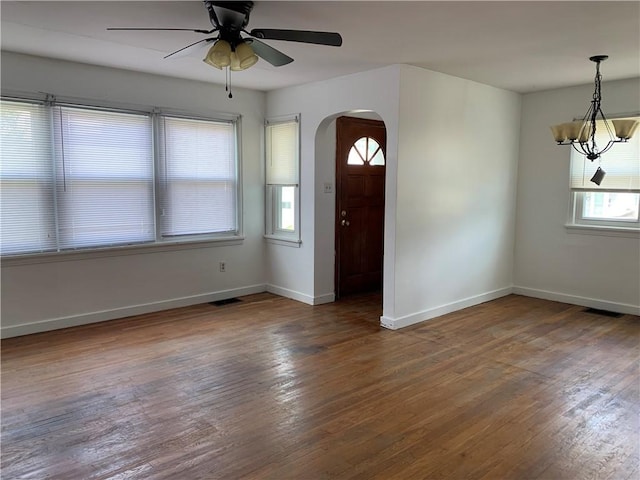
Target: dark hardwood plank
269, 388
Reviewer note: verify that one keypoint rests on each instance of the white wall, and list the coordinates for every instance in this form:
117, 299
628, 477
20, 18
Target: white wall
450, 215
77, 289
307, 273
551, 261
455, 211
452, 149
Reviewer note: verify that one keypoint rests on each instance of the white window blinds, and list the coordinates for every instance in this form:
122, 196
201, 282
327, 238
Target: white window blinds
104, 167
282, 192
621, 164
281, 142
198, 176
78, 176
26, 179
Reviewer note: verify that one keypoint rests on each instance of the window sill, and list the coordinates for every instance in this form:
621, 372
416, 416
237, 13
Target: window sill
139, 249
287, 242
606, 231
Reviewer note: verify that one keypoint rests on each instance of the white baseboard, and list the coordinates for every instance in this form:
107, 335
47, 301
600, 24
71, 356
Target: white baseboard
326, 298
292, 294
301, 297
100, 316
387, 322
577, 300
405, 321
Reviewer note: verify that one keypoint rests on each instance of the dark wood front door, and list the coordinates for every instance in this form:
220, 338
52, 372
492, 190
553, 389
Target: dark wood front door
360, 177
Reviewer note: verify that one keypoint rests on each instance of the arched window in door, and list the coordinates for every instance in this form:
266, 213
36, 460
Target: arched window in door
366, 151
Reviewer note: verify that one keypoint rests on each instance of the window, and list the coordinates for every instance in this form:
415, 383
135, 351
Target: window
366, 151
282, 175
74, 177
26, 179
104, 177
615, 203
198, 177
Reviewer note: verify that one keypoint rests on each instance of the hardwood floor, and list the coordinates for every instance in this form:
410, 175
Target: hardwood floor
269, 388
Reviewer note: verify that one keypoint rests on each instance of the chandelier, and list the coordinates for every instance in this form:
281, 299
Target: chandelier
581, 135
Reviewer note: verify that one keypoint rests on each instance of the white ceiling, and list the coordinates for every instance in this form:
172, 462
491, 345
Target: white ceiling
520, 46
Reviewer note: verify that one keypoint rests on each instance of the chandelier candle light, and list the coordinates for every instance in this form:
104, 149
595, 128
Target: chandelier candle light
581, 135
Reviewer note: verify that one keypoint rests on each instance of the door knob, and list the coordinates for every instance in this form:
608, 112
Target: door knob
344, 223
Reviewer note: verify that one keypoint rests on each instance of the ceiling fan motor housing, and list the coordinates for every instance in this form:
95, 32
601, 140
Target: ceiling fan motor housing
230, 18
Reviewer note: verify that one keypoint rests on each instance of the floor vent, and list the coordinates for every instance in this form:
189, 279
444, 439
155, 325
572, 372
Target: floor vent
604, 313
227, 301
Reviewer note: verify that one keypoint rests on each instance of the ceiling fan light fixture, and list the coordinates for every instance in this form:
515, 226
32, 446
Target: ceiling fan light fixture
246, 56
219, 55
235, 63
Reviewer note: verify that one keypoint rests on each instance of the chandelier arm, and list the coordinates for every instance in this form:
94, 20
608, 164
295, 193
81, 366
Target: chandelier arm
580, 150
607, 126
586, 149
607, 147
589, 122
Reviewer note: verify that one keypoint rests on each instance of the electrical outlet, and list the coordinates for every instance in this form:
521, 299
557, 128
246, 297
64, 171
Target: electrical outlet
223, 266
328, 187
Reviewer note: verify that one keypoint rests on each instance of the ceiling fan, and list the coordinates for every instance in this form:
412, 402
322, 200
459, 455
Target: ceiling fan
230, 49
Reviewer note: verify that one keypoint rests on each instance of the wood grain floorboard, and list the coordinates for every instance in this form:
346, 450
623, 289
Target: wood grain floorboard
269, 388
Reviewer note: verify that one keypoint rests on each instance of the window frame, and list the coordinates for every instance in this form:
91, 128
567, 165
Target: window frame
159, 243
580, 219
578, 223
273, 192
159, 176
276, 211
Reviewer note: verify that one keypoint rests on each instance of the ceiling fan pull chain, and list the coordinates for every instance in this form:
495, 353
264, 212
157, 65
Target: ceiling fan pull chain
229, 82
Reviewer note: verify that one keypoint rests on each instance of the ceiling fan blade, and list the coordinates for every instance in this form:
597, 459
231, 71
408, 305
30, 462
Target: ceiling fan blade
268, 53
191, 48
166, 29
303, 36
